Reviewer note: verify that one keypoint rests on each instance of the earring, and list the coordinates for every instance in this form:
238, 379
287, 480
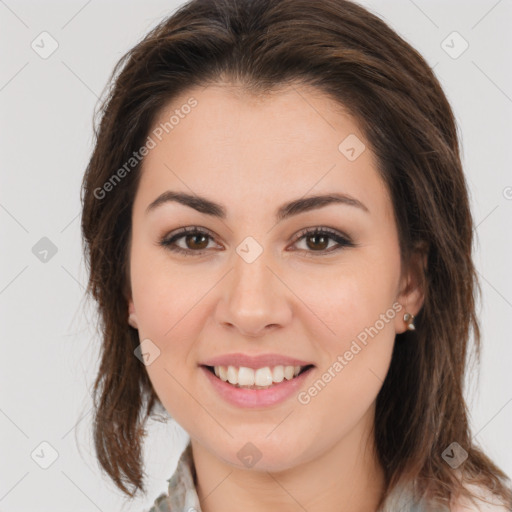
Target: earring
132, 321
409, 320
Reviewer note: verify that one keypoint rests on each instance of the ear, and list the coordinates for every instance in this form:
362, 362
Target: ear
132, 316
412, 286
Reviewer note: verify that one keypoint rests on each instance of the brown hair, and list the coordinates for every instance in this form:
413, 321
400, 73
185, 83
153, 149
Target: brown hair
354, 57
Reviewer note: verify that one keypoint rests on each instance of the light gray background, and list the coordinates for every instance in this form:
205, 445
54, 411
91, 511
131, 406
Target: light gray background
49, 346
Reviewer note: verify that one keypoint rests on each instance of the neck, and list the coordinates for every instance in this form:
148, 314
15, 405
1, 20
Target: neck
345, 477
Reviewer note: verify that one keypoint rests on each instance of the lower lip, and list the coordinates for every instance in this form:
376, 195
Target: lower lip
243, 397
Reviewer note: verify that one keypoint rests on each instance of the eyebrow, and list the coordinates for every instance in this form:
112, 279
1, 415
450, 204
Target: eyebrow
209, 207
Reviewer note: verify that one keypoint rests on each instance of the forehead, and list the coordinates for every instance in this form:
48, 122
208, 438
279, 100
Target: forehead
298, 116
273, 147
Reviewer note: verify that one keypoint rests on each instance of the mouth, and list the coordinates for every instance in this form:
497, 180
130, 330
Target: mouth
262, 378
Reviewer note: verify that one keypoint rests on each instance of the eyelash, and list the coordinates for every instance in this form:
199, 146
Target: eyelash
341, 240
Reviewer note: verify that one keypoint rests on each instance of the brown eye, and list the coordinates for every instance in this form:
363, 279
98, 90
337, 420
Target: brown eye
319, 242
196, 241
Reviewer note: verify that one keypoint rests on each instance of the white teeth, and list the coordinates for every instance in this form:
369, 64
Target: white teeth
278, 373
232, 375
245, 376
223, 372
262, 377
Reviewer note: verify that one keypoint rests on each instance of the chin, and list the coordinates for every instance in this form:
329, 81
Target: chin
262, 454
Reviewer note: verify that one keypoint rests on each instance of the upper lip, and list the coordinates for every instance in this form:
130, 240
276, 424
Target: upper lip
254, 362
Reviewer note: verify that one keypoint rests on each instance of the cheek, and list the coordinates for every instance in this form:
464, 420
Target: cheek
348, 298
168, 306
165, 294
356, 332
356, 355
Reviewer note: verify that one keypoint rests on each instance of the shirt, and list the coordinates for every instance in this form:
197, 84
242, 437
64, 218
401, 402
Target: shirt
182, 495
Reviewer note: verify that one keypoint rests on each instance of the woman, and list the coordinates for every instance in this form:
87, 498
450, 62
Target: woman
279, 238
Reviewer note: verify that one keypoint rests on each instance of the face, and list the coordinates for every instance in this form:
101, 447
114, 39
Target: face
252, 283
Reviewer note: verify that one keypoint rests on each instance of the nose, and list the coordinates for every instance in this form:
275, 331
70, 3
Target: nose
255, 300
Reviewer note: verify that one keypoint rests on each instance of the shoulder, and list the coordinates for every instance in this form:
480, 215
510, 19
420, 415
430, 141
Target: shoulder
484, 501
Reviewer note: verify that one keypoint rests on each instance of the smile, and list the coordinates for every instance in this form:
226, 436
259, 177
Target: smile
239, 386
260, 378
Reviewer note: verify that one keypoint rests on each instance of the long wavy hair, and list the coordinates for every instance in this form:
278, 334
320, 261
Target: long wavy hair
352, 56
